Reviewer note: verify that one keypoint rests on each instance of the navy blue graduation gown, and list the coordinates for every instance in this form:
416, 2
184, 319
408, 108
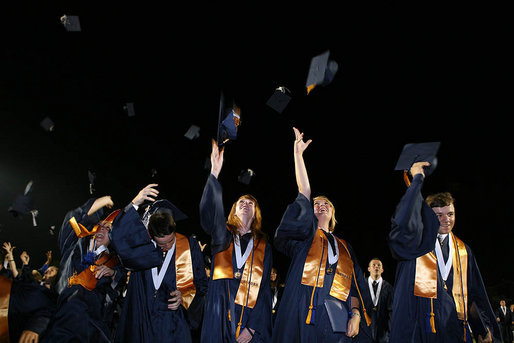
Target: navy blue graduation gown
216, 327
145, 316
293, 238
80, 314
414, 228
31, 307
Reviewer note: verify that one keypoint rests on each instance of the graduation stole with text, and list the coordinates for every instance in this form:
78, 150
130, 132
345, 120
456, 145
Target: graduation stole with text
425, 283
184, 270
252, 274
5, 294
314, 272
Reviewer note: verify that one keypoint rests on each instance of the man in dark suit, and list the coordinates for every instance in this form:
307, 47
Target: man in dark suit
504, 317
382, 296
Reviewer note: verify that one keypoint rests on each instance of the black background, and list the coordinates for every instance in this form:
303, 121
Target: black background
407, 73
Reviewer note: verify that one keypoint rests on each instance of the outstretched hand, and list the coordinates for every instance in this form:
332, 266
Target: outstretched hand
216, 159
299, 144
147, 193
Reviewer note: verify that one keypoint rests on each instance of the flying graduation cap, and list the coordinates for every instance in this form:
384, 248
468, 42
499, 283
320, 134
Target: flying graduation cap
245, 176
279, 99
92, 177
321, 71
229, 119
193, 132
129, 109
24, 205
418, 152
71, 23
47, 124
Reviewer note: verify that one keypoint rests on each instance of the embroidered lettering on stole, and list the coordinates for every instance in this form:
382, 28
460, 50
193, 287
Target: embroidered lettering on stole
252, 273
184, 270
425, 283
5, 294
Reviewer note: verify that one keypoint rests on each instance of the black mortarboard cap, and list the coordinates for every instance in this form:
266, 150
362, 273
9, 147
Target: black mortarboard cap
229, 119
279, 99
47, 124
321, 71
245, 176
193, 132
163, 205
92, 177
22, 205
418, 152
71, 22
129, 109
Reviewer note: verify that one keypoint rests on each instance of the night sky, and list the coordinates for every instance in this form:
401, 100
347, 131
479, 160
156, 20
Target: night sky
407, 73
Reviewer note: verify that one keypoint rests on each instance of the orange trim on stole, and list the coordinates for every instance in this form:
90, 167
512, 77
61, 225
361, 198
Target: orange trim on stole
184, 270
5, 294
425, 284
343, 275
86, 278
223, 269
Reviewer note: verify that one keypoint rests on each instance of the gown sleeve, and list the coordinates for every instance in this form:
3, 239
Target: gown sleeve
212, 218
414, 225
295, 227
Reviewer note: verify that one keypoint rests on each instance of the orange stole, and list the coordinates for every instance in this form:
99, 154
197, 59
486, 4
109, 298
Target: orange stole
252, 273
5, 294
425, 284
82, 231
184, 270
86, 278
316, 261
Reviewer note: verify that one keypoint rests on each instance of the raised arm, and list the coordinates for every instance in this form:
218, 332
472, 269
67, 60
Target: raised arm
302, 179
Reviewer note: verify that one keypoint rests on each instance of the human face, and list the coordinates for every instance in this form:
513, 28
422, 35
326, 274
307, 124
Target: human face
375, 268
502, 302
165, 242
446, 216
50, 272
323, 210
245, 208
273, 275
102, 235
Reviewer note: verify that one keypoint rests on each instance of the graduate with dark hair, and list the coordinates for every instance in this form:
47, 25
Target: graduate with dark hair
238, 307
439, 294
325, 291
165, 294
89, 275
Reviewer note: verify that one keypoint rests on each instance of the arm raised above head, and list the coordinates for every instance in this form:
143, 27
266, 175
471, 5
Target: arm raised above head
302, 178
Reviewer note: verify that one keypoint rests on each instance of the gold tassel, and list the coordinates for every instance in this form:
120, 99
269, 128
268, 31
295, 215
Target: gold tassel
238, 329
229, 317
432, 315
366, 316
309, 315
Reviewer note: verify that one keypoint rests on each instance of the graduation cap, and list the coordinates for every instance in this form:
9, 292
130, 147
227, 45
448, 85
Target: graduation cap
47, 124
24, 204
71, 22
229, 119
92, 176
279, 99
246, 176
193, 132
418, 152
163, 205
129, 109
51, 229
321, 71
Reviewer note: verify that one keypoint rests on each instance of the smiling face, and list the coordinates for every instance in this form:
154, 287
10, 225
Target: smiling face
446, 216
245, 208
324, 212
102, 235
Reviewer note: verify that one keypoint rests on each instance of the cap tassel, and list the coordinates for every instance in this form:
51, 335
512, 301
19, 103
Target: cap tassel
312, 310
432, 316
310, 87
406, 178
238, 329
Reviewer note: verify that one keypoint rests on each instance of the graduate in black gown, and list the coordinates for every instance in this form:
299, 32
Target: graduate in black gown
89, 274
165, 294
241, 256
437, 298
322, 299
29, 307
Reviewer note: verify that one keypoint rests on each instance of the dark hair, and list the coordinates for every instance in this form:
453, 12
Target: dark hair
440, 199
161, 224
